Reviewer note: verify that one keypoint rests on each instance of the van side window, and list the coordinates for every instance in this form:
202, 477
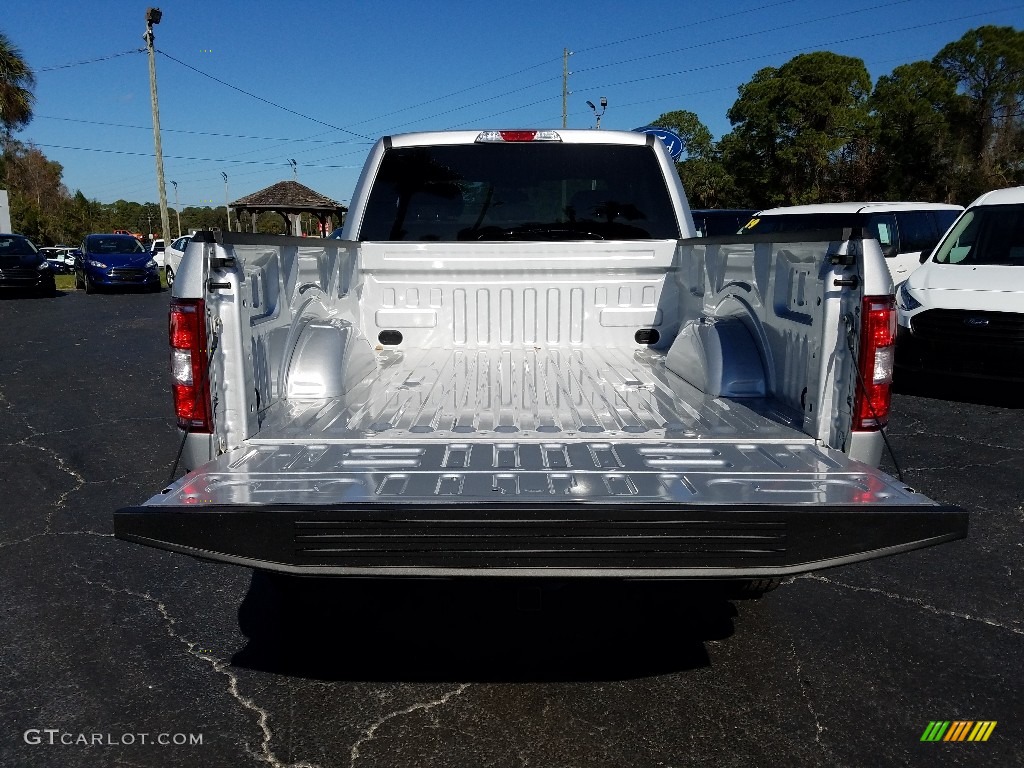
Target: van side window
917, 231
882, 227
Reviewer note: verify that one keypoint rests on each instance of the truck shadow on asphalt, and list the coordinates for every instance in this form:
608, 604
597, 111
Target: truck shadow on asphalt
958, 389
479, 630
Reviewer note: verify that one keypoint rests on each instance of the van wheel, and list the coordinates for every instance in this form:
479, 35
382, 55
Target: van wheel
169, 276
90, 286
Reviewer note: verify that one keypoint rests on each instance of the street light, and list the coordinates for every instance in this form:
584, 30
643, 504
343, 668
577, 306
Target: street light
226, 208
599, 115
177, 208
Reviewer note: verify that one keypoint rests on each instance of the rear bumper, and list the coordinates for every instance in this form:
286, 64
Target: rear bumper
566, 540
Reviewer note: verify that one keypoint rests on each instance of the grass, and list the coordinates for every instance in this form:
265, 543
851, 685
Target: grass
67, 282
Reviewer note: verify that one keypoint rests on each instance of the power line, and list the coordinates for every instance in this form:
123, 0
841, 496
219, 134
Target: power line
178, 157
260, 98
899, 30
717, 17
463, 90
488, 82
746, 35
90, 61
433, 100
194, 133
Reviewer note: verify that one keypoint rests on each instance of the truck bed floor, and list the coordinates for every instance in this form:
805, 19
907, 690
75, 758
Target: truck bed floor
444, 394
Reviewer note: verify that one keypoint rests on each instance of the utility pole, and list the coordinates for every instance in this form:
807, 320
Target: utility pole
177, 208
226, 208
566, 53
153, 16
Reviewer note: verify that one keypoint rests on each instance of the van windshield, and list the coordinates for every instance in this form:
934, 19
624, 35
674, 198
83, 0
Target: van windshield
519, 191
987, 234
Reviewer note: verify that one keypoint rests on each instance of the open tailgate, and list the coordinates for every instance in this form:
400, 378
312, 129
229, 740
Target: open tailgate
628, 508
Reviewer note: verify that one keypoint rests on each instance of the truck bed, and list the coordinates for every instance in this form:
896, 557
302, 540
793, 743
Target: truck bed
510, 409
529, 393
536, 462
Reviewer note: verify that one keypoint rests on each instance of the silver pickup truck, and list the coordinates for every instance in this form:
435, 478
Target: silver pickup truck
518, 361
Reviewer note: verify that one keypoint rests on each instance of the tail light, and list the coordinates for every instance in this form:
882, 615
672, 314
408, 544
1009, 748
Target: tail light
877, 352
189, 364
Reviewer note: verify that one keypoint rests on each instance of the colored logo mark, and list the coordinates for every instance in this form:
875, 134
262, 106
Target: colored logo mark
673, 141
958, 730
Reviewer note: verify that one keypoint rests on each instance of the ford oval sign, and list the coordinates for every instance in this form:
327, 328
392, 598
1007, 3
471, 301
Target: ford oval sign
672, 141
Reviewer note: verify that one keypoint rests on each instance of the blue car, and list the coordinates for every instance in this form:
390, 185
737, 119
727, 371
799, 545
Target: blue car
114, 261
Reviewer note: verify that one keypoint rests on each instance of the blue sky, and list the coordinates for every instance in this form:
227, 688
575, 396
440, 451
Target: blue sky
356, 71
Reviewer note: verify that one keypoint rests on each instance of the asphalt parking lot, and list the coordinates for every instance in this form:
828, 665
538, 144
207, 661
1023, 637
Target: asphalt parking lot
114, 654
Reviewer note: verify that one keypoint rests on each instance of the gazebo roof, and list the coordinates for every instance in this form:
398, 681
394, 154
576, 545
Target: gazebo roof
288, 197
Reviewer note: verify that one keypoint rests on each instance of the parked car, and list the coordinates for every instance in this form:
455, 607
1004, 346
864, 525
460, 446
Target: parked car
905, 230
59, 260
22, 265
108, 261
710, 222
157, 251
173, 258
962, 312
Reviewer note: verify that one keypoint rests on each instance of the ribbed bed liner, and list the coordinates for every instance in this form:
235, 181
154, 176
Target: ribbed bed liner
535, 462
465, 426
523, 394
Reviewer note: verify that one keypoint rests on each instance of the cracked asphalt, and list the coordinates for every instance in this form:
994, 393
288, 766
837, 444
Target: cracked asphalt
104, 642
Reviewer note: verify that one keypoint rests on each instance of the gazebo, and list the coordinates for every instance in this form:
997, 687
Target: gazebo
289, 199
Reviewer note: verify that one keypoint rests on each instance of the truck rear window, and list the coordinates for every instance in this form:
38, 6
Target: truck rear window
519, 191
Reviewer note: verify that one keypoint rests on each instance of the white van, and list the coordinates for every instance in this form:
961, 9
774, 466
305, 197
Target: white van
962, 312
907, 231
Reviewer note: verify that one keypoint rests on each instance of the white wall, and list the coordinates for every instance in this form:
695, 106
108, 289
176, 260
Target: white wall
5, 212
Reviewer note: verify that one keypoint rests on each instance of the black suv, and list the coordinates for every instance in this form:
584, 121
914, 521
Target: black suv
22, 265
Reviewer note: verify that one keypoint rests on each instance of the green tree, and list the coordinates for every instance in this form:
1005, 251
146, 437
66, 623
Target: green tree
36, 190
914, 135
194, 217
987, 65
798, 130
707, 183
16, 83
80, 215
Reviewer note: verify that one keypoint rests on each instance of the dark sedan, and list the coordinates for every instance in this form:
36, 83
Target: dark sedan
23, 266
115, 261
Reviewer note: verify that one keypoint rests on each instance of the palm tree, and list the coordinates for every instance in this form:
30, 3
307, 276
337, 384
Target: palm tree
16, 82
